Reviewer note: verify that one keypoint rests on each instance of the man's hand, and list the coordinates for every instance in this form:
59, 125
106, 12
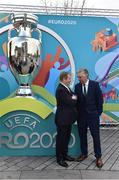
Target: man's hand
74, 97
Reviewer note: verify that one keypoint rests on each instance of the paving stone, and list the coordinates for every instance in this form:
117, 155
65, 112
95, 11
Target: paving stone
48, 174
81, 166
13, 168
2, 168
36, 163
25, 162
50, 161
11, 159
115, 165
99, 174
10, 164
3, 163
52, 166
26, 168
10, 175
3, 158
73, 165
42, 166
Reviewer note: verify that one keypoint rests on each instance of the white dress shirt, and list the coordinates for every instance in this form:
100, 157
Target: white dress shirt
86, 85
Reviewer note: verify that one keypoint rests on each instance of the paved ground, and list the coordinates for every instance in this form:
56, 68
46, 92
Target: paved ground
47, 168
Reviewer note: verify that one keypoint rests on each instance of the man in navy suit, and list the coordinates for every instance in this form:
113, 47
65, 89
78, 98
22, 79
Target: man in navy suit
90, 107
65, 116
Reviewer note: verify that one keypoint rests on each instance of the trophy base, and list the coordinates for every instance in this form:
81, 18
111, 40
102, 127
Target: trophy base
24, 91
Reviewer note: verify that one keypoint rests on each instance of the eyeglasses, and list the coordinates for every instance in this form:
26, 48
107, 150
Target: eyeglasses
79, 77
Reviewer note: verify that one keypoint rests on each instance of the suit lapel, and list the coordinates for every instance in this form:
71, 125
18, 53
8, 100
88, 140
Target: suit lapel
80, 89
70, 92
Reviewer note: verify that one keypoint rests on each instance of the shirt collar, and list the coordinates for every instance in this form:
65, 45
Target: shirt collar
87, 82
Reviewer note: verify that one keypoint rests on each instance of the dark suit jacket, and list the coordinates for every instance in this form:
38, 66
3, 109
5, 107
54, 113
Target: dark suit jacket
66, 106
92, 103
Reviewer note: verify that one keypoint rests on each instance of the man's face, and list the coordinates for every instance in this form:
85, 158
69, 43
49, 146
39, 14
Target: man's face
82, 77
67, 81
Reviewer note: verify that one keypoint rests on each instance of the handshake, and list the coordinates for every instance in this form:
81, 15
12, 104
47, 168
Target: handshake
74, 97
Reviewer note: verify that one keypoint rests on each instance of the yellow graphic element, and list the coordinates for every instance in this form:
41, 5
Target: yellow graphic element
40, 91
4, 17
111, 107
4, 47
44, 94
26, 104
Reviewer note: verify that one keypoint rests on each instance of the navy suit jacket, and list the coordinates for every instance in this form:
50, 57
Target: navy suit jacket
66, 106
92, 103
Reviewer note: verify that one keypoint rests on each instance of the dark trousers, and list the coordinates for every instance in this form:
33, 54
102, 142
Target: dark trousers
93, 124
62, 141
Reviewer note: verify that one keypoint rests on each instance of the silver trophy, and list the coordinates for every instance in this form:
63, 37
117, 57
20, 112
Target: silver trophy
24, 51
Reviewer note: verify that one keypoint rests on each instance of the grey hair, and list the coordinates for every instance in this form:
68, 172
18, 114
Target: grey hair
85, 71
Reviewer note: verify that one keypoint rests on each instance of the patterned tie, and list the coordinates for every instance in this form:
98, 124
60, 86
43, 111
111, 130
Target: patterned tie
84, 90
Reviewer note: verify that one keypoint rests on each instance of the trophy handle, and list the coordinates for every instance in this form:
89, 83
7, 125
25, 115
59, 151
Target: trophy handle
39, 32
9, 33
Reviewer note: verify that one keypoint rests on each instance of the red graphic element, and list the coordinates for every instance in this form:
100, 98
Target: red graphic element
62, 66
104, 40
47, 64
110, 95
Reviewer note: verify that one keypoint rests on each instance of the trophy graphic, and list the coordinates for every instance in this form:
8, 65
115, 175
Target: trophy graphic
24, 51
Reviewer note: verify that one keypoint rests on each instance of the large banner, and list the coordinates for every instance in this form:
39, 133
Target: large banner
68, 43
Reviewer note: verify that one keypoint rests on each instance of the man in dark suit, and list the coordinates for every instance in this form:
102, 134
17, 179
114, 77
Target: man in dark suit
90, 106
65, 116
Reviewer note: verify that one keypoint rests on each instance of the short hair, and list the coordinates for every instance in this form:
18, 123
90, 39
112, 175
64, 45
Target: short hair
64, 75
85, 71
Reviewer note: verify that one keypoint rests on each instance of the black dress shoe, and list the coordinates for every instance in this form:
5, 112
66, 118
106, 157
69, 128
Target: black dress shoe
69, 158
62, 163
